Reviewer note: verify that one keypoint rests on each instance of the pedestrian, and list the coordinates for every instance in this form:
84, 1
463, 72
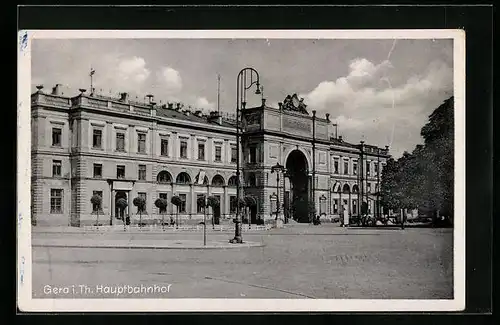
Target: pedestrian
346, 217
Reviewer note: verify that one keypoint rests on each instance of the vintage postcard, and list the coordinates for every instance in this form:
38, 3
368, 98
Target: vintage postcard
231, 170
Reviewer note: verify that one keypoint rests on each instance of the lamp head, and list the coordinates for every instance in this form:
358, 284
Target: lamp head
258, 92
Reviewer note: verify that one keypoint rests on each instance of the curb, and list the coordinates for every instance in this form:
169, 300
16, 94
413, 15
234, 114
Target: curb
233, 246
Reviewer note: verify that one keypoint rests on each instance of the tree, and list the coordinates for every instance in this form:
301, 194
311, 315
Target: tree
96, 201
121, 204
424, 178
177, 201
161, 204
140, 203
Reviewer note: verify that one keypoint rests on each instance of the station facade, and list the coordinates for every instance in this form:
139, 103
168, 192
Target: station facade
117, 148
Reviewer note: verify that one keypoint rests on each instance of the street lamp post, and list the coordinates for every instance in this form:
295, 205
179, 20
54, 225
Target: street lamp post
277, 169
241, 87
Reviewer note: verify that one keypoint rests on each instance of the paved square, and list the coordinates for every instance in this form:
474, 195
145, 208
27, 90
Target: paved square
297, 262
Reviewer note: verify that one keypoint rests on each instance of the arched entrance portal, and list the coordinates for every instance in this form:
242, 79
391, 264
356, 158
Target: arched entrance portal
296, 165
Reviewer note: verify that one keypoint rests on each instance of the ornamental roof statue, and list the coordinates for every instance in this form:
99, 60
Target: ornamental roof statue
293, 103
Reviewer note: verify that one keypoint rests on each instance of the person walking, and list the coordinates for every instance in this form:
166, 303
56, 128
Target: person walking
346, 216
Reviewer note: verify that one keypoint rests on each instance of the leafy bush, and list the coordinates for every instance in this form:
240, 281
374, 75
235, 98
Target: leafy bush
176, 200
213, 202
161, 204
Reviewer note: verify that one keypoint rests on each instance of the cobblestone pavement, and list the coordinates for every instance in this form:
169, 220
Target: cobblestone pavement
297, 262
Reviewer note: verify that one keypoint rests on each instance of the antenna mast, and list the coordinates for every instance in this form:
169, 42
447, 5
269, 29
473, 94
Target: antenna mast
218, 93
92, 71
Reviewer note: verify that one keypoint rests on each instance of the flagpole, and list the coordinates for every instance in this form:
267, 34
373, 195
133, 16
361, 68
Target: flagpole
92, 71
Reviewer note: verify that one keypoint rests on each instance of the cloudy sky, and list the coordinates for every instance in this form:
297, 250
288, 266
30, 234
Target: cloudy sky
381, 91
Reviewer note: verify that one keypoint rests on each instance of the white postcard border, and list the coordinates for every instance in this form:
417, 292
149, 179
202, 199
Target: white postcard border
24, 286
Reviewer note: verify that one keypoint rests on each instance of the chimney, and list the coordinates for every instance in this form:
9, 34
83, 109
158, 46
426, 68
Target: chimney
263, 102
170, 106
56, 90
340, 138
124, 97
187, 112
178, 107
39, 88
215, 117
327, 117
280, 105
198, 113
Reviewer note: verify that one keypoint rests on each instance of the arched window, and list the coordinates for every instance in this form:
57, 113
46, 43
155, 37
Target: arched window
164, 177
346, 188
233, 181
218, 180
183, 178
252, 180
337, 187
355, 188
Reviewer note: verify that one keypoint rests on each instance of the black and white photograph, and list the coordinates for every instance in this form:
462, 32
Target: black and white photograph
241, 170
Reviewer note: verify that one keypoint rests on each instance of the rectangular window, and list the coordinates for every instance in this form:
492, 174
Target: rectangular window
234, 154
120, 142
94, 206
56, 196
354, 168
335, 206
201, 150
346, 167
253, 155
142, 172
184, 149
199, 207
336, 165
164, 147
218, 153
367, 168
56, 168
355, 206
56, 137
120, 171
376, 167
369, 187
97, 139
141, 142
182, 207
163, 196
97, 170
232, 204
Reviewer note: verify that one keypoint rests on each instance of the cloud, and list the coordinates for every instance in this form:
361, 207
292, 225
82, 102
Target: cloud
365, 104
133, 70
202, 102
169, 80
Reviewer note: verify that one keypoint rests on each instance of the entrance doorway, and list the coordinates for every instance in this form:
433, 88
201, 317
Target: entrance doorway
121, 213
296, 165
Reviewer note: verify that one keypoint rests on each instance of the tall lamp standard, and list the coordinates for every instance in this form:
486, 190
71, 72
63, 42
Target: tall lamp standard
242, 86
277, 169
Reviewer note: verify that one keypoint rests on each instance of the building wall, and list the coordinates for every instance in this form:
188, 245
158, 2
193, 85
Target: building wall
80, 116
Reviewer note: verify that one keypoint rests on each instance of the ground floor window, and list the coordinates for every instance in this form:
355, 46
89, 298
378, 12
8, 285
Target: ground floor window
163, 196
232, 204
335, 206
199, 203
354, 206
96, 208
56, 196
182, 207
